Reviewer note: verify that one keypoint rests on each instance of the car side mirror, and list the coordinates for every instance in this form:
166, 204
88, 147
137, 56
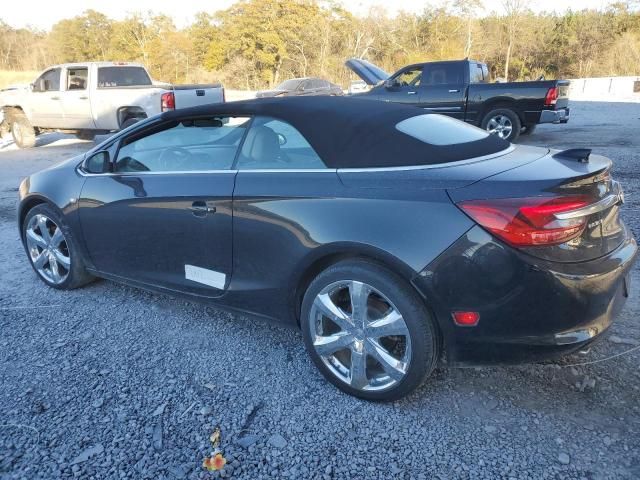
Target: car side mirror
389, 83
97, 163
282, 140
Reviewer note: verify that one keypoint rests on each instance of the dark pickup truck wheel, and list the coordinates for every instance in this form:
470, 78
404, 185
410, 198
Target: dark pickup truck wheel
24, 135
367, 331
502, 122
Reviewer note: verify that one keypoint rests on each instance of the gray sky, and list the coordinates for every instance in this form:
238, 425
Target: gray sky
44, 13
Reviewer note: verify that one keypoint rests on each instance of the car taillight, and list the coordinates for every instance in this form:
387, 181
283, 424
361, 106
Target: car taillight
527, 222
167, 101
552, 97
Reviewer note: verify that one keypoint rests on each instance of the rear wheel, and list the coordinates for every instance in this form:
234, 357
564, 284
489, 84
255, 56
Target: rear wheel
128, 122
528, 129
52, 250
24, 135
86, 135
502, 122
367, 331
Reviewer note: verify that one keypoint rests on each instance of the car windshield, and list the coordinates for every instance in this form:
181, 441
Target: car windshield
119, 76
289, 85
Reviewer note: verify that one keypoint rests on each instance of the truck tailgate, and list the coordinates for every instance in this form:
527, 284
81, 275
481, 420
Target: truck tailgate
194, 95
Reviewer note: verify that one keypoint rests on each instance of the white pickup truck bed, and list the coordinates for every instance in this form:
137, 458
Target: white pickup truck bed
94, 97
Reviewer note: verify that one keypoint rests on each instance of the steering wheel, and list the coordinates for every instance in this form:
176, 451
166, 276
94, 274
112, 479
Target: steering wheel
173, 158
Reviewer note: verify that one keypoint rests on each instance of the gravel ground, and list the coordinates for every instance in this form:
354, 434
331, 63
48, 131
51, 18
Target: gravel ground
112, 382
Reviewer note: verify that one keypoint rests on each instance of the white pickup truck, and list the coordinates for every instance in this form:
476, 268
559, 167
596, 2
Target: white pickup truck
93, 98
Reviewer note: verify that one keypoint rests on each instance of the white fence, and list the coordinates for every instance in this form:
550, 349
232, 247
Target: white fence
611, 89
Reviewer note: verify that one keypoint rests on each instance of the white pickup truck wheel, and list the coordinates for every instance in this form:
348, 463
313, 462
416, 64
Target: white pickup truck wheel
24, 135
128, 122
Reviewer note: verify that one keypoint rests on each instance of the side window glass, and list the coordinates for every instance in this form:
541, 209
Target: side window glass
77, 78
97, 163
190, 145
443, 74
276, 145
409, 78
475, 73
49, 81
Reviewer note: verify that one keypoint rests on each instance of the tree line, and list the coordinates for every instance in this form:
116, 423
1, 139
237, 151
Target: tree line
259, 43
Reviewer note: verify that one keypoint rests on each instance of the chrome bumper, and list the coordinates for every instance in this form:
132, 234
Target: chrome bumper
555, 116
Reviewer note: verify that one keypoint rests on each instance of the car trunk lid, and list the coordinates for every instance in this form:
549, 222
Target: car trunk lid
566, 195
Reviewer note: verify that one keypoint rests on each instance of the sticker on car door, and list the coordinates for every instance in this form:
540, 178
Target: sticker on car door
206, 277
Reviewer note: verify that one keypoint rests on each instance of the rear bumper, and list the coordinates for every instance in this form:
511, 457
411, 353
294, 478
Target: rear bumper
554, 116
529, 309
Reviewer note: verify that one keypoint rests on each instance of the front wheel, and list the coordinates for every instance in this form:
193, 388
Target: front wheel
502, 122
24, 135
52, 250
367, 331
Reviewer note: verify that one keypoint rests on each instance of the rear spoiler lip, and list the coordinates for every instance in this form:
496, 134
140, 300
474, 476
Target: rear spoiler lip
580, 154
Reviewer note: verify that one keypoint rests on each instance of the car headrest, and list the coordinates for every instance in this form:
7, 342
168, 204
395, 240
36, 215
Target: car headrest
262, 145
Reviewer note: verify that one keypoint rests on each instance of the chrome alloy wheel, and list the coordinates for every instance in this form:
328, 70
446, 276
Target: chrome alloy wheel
500, 125
360, 335
48, 249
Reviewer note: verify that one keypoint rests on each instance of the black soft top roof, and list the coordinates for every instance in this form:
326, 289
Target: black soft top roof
351, 132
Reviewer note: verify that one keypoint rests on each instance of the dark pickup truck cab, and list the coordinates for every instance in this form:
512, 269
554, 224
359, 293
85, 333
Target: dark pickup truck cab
461, 89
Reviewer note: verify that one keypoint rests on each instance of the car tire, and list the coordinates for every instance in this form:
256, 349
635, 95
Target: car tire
414, 347
5, 130
47, 240
86, 135
128, 122
528, 129
23, 133
502, 122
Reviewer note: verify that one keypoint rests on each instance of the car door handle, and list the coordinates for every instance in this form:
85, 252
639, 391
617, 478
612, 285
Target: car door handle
55, 98
454, 90
411, 93
84, 98
200, 209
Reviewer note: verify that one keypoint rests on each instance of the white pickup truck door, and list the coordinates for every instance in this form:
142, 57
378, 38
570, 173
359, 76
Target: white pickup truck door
46, 100
75, 98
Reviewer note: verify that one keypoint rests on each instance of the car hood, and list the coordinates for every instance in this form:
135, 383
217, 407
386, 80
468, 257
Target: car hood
370, 73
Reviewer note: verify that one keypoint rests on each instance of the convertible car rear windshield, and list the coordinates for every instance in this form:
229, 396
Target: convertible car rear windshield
440, 130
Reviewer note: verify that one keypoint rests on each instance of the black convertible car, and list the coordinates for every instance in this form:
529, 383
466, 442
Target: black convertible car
393, 238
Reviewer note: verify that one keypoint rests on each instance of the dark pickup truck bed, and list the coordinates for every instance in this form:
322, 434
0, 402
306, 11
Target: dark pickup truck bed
461, 89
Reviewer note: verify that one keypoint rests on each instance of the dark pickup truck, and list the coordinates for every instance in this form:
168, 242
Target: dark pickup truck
461, 89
